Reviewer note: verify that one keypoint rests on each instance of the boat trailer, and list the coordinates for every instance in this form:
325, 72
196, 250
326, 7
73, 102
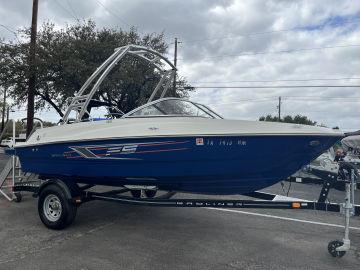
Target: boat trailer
59, 200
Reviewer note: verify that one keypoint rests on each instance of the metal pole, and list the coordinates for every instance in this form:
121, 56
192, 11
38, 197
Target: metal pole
348, 207
32, 70
13, 157
3, 111
353, 186
347, 211
13, 133
175, 62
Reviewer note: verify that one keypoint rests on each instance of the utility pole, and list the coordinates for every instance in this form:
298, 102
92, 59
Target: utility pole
32, 70
175, 63
7, 114
3, 111
279, 108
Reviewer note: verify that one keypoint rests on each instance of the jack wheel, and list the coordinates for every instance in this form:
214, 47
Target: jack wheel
18, 197
332, 248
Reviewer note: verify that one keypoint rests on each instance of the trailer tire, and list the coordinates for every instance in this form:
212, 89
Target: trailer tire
136, 193
55, 209
150, 193
18, 197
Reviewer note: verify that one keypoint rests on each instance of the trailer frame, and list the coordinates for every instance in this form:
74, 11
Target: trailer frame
71, 196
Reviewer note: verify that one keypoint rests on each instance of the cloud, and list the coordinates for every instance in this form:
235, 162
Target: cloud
216, 34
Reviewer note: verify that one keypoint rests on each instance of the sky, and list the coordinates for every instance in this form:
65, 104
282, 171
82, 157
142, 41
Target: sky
237, 43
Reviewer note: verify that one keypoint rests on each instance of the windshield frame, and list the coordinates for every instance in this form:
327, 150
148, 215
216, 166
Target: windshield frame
201, 107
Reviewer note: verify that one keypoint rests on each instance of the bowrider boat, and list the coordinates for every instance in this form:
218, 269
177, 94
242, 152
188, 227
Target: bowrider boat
168, 143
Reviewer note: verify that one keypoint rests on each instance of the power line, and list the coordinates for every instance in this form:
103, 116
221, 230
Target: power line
327, 100
112, 13
8, 28
66, 10
274, 86
320, 97
239, 102
282, 51
249, 99
72, 9
269, 32
11, 31
281, 80
273, 98
302, 111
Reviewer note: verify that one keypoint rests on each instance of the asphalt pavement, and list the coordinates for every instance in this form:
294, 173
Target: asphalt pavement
113, 236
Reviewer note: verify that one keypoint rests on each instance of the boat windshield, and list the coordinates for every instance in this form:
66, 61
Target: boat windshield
172, 107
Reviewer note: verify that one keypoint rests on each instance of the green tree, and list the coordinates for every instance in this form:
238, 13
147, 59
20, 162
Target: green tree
297, 119
20, 128
65, 58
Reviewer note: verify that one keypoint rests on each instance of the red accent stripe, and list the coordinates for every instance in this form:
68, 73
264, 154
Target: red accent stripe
162, 143
97, 148
75, 157
139, 144
149, 151
141, 152
161, 150
101, 155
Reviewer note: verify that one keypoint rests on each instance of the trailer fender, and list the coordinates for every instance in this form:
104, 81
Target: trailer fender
70, 189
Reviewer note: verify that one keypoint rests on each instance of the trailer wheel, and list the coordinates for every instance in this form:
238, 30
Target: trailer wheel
332, 248
150, 193
55, 209
136, 193
18, 197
